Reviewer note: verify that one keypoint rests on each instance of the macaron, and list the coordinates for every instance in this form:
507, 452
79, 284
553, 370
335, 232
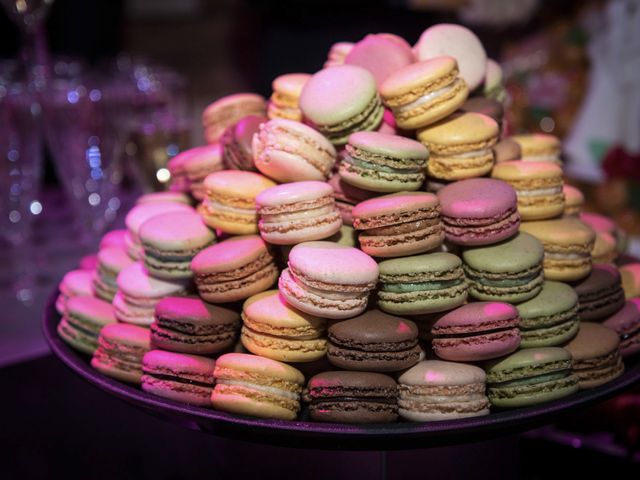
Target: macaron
297, 212
273, 329
139, 293
88, 262
226, 111
460, 146
567, 247
374, 342
341, 100
436, 390
630, 276
284, 101
234, 269
352, 397
289, 151
600, 294
493, 85
506, 150
479, 211
539, 147
257, 387
114, 238
399, 224
573, 201
432, 282
328, 280
171, 240
477, 331
596, 355
111, 261
230, 201
485, 106
139, 215
383, 163
508, 271
626, 322
82, 320
200, 162
191, 325
531, 377
599, 223
161, 197
538, 186
75, 283
237, 143
178, 181
604, 248
458, 42
177, 376
347, 196
425, 92
381, 54
337, 53
550, 318
121, 348
345, 236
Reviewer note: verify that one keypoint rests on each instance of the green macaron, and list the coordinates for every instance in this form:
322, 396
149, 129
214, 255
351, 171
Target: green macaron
550, 318
530, 377
432, 282
380, 162
508, 271
83, 319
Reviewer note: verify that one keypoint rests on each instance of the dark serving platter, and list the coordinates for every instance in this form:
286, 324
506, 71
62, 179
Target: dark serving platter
305, 434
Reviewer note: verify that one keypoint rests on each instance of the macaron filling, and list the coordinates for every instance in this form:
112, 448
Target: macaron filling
356, 162
426, 98
270, 390
421, 286
367, 120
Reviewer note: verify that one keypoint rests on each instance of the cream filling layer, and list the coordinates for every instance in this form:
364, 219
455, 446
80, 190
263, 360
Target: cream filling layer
425, 99
554, 157
260, 388
214, 205
330, 295
538, 192
301, 215
471, 154
567, 256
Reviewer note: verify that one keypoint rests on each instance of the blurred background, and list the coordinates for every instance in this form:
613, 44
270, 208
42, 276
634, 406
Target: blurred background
130, 79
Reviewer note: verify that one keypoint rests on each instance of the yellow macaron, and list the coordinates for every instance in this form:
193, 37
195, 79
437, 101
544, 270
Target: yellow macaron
229, 203
460, 146
425, 92
538, 186
286, 95
567, 243
539, 147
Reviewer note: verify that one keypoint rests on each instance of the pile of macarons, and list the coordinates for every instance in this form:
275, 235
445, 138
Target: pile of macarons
367, 245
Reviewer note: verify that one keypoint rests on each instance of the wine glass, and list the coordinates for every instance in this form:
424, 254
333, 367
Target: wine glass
83, 145
21, 155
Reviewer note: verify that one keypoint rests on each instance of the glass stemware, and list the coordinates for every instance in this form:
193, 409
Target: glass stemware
21, 155
83, 145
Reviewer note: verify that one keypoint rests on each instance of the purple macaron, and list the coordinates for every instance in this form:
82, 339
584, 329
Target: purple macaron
177, 376
479, 211
191, 325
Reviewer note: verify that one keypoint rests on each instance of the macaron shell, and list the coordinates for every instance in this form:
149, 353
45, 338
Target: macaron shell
241, 404
458, 42
573, 200
627, 323
600, 294
630, 275
336, 95
314, 304
380, 55
135, 281
289, 151
333, 264
283, 349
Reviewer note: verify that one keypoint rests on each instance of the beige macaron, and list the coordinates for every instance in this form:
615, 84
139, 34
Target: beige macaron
460, 146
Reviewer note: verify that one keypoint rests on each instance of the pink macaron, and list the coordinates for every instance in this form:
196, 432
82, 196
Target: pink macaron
477, 331
297, 212
178, 376
479, 211
381, 54
328, 280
